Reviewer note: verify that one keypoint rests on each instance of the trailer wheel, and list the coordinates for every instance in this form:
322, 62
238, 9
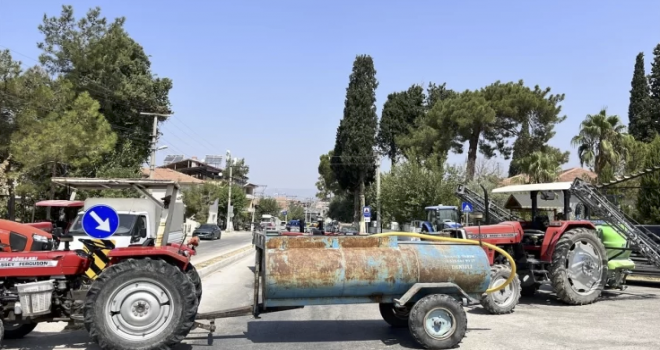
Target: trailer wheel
393, 317
17, 330
579, 267
140, 304
438, 321
505, 300
192, 273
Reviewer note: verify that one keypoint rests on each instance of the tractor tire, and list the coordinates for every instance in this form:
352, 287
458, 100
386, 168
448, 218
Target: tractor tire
393, 317
438, 321
192, 274
17, 331
505, 300
581, 284
141, 304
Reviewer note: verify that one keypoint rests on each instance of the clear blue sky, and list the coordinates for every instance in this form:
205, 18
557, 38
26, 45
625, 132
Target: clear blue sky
267, 79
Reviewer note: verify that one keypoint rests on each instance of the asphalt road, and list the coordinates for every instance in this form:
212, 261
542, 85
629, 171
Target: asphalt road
620, 320
230, 241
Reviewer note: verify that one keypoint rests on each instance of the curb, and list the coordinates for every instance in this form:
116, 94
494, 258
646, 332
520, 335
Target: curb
210, 266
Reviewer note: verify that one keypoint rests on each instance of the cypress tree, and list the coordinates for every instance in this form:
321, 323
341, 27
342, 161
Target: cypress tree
638, 113
654, 85
353, 160
522, 147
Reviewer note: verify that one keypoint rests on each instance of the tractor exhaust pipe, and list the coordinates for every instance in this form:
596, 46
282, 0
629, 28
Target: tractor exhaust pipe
486, 205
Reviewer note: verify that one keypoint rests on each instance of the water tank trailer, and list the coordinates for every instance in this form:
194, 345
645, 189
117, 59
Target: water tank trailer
420, 285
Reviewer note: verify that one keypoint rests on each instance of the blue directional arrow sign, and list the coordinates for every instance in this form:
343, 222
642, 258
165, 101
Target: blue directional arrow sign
466, 207
100, 221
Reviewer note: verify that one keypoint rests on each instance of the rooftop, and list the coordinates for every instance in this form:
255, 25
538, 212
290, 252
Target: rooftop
171, 175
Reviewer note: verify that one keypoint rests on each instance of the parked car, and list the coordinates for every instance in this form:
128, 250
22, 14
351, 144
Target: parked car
208, 231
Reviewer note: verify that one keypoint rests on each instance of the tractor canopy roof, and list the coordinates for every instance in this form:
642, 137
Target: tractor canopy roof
553, 186
60, 203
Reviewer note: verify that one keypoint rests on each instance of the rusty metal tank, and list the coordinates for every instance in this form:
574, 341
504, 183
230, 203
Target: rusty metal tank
349, 270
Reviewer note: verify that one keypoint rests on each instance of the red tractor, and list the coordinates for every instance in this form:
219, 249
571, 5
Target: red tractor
147, 296
566, 254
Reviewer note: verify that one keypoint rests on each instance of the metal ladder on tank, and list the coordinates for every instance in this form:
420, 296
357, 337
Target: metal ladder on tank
599, 205
497, 214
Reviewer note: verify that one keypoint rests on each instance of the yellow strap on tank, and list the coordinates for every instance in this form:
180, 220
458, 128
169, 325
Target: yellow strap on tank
462, 241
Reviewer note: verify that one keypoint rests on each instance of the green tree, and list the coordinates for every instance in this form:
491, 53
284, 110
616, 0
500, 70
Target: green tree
239, 170
521, 148
100, 58
541, 167
648, 199
639, 124
268, 206
341, 208
199, 198
400, 112
327, 183
654, 90
485, 119
10, 72
354, 160
44, 142
411, 186
296, 212
435, 93
601, 142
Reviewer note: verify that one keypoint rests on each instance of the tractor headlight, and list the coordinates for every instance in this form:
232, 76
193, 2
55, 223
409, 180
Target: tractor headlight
39, 238
46, 243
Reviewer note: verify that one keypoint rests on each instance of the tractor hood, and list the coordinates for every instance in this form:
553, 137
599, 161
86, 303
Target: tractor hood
502, 230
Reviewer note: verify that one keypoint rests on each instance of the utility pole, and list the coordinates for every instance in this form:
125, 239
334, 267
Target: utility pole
379, 222
154, 140
230, 226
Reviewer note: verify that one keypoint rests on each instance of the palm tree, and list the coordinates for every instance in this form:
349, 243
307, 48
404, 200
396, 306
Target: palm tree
540, 167
601, 142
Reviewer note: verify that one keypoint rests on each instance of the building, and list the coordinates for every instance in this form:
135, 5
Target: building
184, 181
194, 168
567, 175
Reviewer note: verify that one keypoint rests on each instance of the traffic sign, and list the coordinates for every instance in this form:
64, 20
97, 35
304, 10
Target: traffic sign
367, 219
284, 212
467, 207
366, 212
100, 221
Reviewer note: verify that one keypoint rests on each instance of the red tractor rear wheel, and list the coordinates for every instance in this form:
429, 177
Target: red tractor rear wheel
579, 267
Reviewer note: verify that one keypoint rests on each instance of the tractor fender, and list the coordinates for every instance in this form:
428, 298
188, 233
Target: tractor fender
168, 253
554, 233
427, 226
